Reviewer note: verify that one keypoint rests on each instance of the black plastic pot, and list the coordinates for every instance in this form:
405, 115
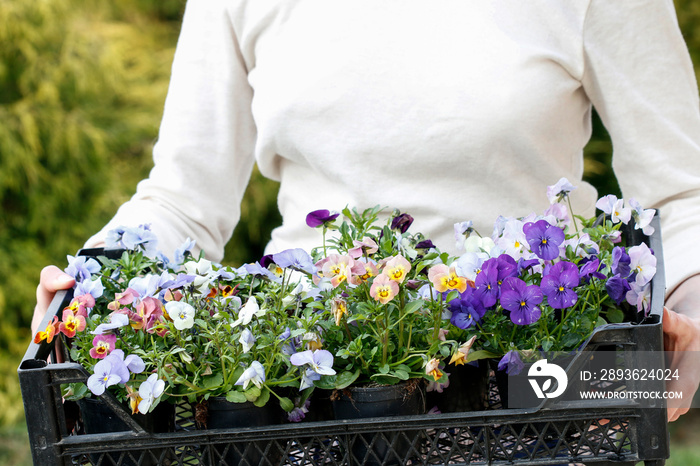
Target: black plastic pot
218, 413
393, 448
98, 418
467, 390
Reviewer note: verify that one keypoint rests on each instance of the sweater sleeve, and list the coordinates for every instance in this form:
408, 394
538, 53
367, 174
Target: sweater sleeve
639, 77
205, 151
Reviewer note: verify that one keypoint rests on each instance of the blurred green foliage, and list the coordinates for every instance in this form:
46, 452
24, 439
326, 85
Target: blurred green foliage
82, 85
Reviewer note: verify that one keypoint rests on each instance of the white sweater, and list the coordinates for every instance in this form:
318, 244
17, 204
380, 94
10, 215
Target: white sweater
449, 110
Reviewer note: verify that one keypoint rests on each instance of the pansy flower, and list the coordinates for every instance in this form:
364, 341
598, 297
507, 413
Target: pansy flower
48, 334
432, 369
321, 217
642, 217
181, 313
149, 391
296, 259
511, 363
81, 267
466, 310
446, 278
102, 345
559, 191
71, 324
397, 268
254, 374
360, 248
521, 300
615, 208
642, 264
459, 358
384, 289
558, 284
401, 222
544, 238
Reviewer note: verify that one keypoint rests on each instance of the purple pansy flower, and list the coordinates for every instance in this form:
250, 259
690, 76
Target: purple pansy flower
617, 288
401, 222
320, 217
511, 363
487, 287
589, 269
544, 238
296, 259
558, 283
466, 310
521, 300
620, 262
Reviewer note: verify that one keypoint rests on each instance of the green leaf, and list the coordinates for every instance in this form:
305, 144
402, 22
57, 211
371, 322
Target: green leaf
263, 398
286, 404
413, 306
252, 393
385, 379
344, 379
212, 381
384, 369
326, 382
235, 396
615, 316
403, 375
480, 354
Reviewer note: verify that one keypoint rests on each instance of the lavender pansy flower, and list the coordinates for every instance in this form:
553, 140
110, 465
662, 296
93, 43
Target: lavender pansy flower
511, 363
321, 217
116, 320
94, 288
642, 264
296, 259
182, 251
81, 267
149, 391
640, 296
462, 231
558, 283
247, 340
320, 361
254, 374
615, 208
103, 377
559, 191
544, 239
642, 217
521, 300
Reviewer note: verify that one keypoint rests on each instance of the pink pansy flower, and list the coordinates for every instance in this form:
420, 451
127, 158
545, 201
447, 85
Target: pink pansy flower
384, 289
102, 346
367, 245
397, 268
341, 269
124, 299
81, 304
445, 278
71, 323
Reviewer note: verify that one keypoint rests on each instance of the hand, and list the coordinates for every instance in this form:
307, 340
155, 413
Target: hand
52, 280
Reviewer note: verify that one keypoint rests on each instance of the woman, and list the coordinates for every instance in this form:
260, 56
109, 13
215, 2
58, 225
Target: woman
447, 110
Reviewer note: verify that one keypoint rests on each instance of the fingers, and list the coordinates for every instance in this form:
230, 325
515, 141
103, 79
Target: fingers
51, 280
682, 342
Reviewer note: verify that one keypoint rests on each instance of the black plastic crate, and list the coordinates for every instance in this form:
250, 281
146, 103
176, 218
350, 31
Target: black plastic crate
554, 433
